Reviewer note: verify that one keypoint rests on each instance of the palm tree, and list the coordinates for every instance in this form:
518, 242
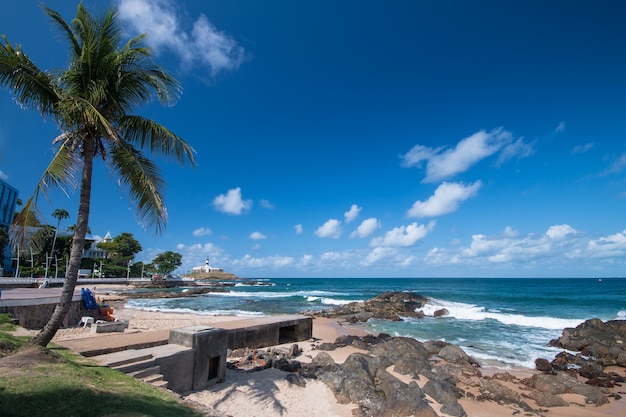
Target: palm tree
90, 101
58, 214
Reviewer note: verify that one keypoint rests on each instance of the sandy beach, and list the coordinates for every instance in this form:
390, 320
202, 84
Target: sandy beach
267, 393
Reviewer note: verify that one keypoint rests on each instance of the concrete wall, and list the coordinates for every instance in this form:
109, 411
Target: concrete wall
36, 316
178, 370
271, 334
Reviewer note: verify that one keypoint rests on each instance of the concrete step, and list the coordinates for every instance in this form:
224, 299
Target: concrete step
145, 372
159, 384
128, 359
135, 366
153, 378
123, 357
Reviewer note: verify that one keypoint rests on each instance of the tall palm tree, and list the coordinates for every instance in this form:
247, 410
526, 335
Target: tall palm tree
91, 101
58, 214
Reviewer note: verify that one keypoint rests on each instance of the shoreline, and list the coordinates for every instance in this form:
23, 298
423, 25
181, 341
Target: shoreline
267, 393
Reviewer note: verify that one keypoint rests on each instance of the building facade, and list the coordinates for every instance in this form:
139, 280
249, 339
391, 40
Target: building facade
8, 202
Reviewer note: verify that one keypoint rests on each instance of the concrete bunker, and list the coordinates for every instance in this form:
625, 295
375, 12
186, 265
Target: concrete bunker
210, 346
288, 334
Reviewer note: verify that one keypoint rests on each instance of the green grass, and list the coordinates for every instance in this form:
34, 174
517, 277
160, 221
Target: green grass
66, 384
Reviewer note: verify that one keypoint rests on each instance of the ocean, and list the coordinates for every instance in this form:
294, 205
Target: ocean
500, 322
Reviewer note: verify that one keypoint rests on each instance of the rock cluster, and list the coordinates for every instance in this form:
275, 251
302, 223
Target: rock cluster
373, 379
599, 345
388, 306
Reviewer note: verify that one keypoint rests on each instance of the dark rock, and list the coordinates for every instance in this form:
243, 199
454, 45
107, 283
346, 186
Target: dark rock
591, 370
442, 391
494, 391
294, 351
543, 365
563, 383
441, 312
296, 379
544, 399
326, 346
598, 381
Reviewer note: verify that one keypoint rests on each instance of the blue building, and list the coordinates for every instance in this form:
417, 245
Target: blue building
8, 201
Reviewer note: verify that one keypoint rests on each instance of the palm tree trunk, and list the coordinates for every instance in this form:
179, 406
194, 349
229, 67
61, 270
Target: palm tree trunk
78, 242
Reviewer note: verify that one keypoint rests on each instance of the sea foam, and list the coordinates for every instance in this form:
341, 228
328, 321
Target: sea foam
463, 311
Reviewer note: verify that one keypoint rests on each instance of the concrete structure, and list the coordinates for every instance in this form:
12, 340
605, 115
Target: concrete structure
209, 345
31, 308
191, 358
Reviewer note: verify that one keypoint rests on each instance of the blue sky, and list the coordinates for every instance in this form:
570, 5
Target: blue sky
368, 138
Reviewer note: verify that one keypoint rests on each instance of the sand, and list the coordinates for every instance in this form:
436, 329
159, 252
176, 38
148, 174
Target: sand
268, 394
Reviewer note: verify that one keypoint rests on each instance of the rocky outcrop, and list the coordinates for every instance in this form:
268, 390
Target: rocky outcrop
388, 306
439, 375
598, 344
603, 341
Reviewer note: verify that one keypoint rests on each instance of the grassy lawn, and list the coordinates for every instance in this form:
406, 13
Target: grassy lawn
56, 382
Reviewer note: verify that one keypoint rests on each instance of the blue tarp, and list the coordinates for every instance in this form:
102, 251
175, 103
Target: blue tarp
89, 299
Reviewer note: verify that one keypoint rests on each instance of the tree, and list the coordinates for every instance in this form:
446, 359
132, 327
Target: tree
58, 214
166, 262
91, 101
122, 250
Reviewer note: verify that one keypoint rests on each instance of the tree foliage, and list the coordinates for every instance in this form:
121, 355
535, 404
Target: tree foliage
167, 262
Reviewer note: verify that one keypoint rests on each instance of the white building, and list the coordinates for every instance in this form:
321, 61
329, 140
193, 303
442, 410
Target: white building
205, 268
94, 252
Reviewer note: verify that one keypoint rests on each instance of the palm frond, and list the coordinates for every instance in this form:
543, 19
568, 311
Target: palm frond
142, 179
146, 133
32, 87
57, 19
21, 228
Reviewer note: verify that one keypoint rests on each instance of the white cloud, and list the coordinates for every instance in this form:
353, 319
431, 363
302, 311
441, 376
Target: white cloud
257, 236
204, 45
443, 164
331, 256
306, 260
403, 235
352, 214
266, 204
560, 243
582, 148
610, 246
417, 154
195, 255
267, 262
560, 127
518, 148
330, 229
298, 228
446, 199
202, 231
3, 176
560, 231
510, 232
617, 166
366, 228
378, 254
231, 202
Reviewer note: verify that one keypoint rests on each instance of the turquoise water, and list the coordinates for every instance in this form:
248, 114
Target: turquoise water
503, 322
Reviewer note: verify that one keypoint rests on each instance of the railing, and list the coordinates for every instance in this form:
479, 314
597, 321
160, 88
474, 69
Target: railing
57, 281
